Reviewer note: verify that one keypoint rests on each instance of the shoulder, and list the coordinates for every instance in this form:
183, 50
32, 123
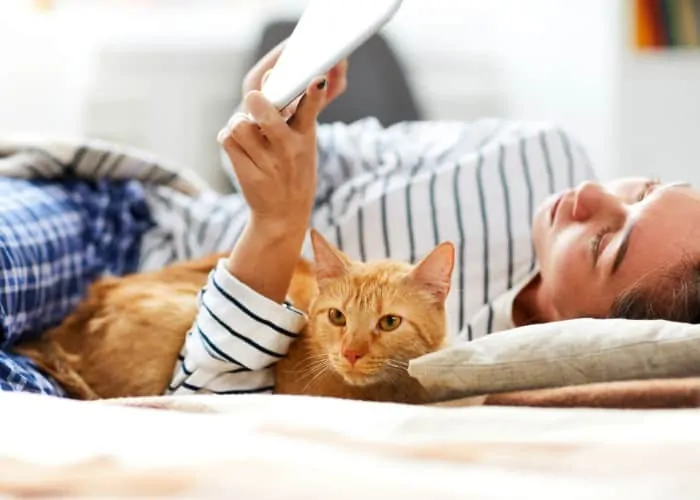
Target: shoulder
480, 132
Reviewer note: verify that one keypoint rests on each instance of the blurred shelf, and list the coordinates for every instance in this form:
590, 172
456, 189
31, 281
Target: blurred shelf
665, 25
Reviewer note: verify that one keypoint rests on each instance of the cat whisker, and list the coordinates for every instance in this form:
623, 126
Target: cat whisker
320, 372
304, 370
309, 361
312, 357
397, 370
397, 364
313, 369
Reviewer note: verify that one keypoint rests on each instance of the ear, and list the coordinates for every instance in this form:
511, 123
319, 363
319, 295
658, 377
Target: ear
330, 262
434, 271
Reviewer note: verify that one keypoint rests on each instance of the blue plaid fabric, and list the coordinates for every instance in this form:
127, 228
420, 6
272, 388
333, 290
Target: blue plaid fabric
56, 238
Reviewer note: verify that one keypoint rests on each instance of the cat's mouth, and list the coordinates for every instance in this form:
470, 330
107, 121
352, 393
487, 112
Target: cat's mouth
356, 377
368, 372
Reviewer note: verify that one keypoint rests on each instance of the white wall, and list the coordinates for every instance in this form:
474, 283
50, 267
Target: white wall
40, 77
660, 116
560, 60
552, 59
561, 63
572, 61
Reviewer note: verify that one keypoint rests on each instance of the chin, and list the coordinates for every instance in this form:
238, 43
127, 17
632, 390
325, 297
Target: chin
541, 228
541, 219
357, 378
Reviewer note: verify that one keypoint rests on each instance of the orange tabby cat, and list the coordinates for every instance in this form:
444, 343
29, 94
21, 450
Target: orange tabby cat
366, 321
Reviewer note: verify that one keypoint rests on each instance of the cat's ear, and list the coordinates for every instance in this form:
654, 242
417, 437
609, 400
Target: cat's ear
330, 262
434, 271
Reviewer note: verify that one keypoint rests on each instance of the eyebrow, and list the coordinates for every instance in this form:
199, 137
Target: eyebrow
624, 245
622, 249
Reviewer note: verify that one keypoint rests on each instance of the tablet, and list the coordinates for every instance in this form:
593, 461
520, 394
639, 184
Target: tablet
327, 32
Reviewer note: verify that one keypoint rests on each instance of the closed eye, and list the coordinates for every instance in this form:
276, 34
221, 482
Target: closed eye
597, 243
647, 190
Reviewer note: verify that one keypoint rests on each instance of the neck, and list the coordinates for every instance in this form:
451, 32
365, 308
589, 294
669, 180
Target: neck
531, 306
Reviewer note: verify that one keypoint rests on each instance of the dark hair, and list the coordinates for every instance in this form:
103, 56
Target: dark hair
675, 296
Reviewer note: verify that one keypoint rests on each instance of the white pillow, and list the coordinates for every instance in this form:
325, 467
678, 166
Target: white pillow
579, 351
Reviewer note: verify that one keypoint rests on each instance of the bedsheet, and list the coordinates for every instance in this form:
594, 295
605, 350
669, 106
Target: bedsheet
281, 447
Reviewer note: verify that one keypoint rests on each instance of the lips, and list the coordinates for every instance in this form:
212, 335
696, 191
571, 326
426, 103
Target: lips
554, 209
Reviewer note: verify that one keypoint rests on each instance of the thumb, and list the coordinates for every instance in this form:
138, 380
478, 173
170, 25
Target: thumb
310, 106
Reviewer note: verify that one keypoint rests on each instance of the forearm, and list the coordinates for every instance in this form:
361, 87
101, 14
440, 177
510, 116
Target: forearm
237, 337
265, 256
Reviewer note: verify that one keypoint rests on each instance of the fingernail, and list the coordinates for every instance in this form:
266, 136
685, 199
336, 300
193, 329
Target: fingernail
322, 84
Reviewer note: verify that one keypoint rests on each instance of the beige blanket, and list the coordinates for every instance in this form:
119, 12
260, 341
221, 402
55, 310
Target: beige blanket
301, 448
632, 394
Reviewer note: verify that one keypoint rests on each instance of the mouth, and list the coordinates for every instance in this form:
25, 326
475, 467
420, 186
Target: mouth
555, 209
353, 375
358, 379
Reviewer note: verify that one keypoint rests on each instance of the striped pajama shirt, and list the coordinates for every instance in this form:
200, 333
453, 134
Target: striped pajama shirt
382, 193
70, 213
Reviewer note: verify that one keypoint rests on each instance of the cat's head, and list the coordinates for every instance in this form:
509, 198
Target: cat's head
369, 319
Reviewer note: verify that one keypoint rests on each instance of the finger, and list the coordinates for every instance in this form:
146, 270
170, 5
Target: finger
267, 117
310, 106
338, 80
287, 113
270, 59
292, 107
266, 63
242, 164
237, 118
339, 71
225, 132
291, 120
251, 140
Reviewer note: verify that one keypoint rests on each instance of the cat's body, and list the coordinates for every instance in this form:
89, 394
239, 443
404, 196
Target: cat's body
124, 338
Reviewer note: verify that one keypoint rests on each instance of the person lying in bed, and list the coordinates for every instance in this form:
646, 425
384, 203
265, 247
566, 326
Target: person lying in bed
538, 239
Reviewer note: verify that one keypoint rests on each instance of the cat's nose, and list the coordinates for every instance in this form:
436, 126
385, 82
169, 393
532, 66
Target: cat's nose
352, 355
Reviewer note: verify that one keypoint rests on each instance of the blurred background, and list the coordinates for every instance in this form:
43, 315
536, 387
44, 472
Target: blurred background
164, 75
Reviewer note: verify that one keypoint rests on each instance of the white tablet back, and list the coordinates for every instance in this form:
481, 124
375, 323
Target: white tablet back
327, 32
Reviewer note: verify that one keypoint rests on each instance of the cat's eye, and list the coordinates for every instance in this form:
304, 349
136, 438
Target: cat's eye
336, 317
389, 323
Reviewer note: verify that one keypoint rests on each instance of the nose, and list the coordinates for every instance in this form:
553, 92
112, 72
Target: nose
592, 199
352, 355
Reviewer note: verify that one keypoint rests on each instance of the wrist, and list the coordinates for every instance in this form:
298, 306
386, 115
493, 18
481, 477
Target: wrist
278, 229
265, 256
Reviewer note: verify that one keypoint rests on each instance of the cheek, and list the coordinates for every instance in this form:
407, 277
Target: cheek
326, 335
565, 271
541, 223
402, 343
561, 253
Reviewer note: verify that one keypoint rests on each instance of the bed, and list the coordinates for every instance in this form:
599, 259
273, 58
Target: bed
581, 409
278, 447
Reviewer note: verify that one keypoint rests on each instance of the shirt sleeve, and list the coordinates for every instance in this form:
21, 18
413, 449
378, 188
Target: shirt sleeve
235, 341
357, 150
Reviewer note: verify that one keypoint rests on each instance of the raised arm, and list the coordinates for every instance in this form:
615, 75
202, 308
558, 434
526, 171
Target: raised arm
243, 325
